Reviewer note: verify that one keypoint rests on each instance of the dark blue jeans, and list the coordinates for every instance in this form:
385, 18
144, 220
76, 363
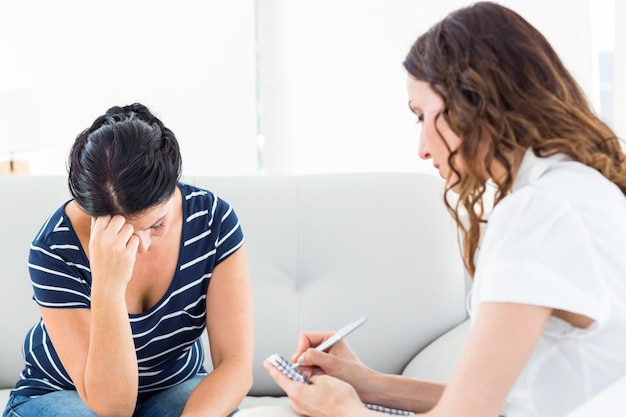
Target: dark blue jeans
167, 403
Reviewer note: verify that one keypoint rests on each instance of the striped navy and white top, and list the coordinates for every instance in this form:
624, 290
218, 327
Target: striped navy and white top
167, 336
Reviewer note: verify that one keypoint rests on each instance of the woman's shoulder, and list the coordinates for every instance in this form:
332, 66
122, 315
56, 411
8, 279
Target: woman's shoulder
198, 198
561, 176
193, 193
201, 203
56, 225
557, 182
57, 247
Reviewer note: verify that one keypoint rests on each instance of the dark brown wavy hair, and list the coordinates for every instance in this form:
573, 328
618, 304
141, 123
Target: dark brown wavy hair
505, 90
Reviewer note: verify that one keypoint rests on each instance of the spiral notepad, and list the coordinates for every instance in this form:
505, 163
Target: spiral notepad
288, 369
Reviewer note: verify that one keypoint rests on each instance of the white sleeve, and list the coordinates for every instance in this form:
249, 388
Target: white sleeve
538, 250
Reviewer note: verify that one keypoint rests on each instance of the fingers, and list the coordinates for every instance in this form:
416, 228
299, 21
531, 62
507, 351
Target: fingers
294, 390
111, 228
282, 380
307, 340
313, 361
324, 397
112, 249
114, 233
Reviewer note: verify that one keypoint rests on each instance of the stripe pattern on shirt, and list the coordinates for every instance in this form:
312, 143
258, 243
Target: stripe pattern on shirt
167, 336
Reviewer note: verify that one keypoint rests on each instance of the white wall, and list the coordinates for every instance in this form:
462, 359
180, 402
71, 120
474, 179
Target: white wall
191, 61
332, 87
619, 69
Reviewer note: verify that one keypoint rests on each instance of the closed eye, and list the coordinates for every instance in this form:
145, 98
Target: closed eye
157, 226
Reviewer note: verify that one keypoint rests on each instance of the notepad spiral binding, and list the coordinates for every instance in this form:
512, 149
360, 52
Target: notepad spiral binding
288, 369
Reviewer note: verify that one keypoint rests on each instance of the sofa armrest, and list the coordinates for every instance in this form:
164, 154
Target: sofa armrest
437, 361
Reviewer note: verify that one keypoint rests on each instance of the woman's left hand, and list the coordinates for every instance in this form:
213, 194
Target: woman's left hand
325, 396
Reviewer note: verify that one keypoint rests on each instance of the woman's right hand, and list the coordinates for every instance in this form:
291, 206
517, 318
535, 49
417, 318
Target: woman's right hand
112, 250
340, 361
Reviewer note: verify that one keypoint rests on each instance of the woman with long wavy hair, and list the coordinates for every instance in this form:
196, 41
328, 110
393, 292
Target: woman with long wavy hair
502, 117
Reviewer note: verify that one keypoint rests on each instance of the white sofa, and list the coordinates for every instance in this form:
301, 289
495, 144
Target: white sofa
323, 250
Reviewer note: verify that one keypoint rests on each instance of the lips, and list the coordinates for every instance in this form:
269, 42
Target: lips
439, 170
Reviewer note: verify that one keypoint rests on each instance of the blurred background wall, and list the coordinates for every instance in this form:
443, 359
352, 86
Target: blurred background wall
257, 86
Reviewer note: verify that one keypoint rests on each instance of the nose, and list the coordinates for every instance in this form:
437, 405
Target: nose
423, 151
144, 242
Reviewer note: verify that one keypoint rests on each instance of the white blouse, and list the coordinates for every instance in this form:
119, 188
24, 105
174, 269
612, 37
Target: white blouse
559, 241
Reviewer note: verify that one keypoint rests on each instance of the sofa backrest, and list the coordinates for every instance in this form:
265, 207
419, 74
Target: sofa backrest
26, 202
323, 250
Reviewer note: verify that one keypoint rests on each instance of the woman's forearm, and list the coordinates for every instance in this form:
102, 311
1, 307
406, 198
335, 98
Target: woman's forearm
401, 392
222, 391
111, 372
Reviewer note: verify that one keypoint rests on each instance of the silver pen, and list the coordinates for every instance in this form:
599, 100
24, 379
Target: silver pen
340, 334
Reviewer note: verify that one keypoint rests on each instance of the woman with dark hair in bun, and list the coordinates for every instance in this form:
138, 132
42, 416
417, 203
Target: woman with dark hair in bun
128, 274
